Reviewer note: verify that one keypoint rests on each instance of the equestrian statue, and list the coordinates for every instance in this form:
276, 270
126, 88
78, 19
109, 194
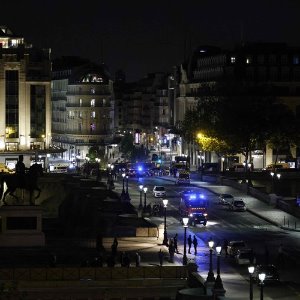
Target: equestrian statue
25, 179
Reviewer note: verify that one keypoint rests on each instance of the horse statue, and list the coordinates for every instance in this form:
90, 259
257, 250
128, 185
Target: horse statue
27, 181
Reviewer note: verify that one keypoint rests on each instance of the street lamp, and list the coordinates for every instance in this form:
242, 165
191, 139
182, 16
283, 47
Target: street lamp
261, 277
210, 276
165, 241
272, 188
251, 270
141, 193
218, 287
123, 189
145, 197
185, 222
127, 194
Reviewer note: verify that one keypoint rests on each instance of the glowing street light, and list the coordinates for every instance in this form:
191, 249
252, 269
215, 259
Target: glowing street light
261, 277
185, 222
251, 270
165, 241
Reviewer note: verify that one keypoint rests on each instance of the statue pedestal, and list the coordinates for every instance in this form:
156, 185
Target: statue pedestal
21, 226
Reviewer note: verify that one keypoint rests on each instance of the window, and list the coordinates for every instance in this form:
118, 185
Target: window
248, 60
232, 59
80, 102
93, 114
104, 101
92, 90
93, 102
80, 115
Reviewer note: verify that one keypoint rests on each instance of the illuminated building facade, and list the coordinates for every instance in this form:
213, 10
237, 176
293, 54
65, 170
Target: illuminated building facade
82, 107
25, 101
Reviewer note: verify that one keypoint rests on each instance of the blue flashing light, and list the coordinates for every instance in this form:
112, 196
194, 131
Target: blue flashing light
193, 196
140, 168
201, 196
159, 161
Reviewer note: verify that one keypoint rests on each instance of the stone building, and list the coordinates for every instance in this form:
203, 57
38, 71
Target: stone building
25, 101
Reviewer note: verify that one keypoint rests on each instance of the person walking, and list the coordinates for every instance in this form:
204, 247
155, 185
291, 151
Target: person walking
189, 240
171, 250
175, 240
114, 247
225, 247
160, 257
137, 259
195, 243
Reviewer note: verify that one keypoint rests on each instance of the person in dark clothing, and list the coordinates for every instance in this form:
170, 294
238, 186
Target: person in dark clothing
195, 243
189, 240
20, 166
160, 257
175, 240
225, 247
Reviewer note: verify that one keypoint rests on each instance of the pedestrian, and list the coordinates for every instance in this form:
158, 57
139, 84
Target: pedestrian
137, 259
114, 247
160, 257
225, 247
189, 240
195, 243
171, 250
175, 239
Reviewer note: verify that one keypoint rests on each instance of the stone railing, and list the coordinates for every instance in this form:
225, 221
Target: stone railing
100, 273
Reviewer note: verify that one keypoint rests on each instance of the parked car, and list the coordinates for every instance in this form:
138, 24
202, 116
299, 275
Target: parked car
234, 246
245, 256
225, 199
272, 274
237, 205
159, 191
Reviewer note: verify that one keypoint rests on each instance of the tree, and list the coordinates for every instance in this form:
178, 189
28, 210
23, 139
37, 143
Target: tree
127, 145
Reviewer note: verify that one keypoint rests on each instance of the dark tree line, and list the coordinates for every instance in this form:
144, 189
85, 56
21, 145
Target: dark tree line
242, 118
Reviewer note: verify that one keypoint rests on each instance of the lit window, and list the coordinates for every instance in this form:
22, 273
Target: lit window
248, 61
80, 102
93, 114
92, 90
104, 101
232, 59
80, 114
93, 102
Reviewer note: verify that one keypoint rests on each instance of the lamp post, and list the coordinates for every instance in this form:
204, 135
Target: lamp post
127, 193
272, 187
251, 270
210, 276
218, 287
165, 241
123, 189
249, 175
185, 222
262, 277
141, 193
145, 197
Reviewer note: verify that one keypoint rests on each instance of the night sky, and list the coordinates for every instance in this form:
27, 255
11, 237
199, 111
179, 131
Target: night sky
144, 36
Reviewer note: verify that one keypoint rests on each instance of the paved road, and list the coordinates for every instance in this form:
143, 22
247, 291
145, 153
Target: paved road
235, 283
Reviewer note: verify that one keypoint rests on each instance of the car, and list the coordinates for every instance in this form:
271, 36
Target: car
234, 246
237, 205
272, 274
245, 256
225, 199
159, 191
